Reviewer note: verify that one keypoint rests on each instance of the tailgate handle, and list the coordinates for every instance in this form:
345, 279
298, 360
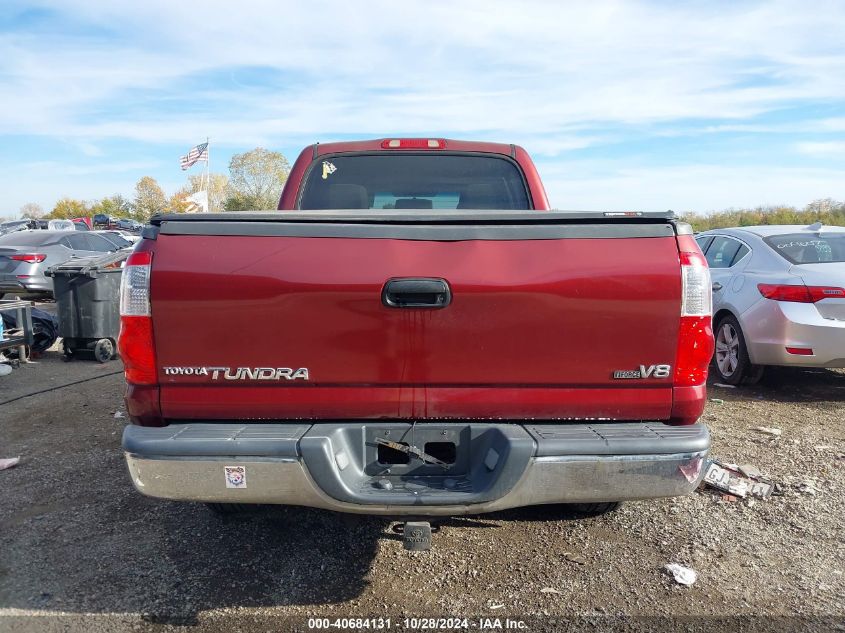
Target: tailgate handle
416, 293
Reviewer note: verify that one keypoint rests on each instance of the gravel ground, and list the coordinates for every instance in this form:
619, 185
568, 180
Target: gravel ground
81, 550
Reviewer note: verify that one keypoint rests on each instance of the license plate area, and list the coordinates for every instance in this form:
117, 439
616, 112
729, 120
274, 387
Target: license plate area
449, 443
487, 459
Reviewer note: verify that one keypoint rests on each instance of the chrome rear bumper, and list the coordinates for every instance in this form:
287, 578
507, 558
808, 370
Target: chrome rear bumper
163, 465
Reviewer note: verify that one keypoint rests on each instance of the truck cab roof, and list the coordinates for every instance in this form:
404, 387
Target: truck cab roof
343, 147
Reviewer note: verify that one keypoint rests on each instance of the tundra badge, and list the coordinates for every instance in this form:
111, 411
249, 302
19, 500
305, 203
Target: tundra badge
240, 373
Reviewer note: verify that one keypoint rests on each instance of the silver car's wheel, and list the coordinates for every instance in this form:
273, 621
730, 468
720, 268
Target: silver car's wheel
727, 349
733, 366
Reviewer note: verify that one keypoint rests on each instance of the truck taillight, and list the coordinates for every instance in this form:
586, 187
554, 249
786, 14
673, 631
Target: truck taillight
135, 285
696, 292
695, 335
136, 344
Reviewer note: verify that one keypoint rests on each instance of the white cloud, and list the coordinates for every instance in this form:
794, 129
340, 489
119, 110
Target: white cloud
554, 77
836, 124
822, 148
502, 67
699, 188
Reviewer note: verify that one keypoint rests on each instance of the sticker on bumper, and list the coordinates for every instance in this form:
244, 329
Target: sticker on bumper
235, 476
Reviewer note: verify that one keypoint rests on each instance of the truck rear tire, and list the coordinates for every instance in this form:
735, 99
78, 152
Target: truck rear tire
594, 509
226, 509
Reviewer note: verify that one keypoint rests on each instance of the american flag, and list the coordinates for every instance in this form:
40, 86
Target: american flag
198, 153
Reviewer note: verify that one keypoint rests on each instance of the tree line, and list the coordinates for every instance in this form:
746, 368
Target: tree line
826, 211
254, 181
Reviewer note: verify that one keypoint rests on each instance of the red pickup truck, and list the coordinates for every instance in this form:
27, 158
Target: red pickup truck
414, 332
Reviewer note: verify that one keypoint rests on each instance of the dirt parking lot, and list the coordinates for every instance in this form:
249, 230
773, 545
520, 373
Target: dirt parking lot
81, 550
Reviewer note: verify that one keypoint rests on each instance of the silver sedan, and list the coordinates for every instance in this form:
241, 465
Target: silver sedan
778, 298
26, 255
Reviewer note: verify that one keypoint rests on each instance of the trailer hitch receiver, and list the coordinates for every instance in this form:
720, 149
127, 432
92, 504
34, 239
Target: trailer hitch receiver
416, 536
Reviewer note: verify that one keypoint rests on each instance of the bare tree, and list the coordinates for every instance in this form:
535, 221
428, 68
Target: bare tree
32, 210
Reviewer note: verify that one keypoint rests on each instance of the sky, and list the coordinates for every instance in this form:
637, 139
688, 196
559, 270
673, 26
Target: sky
695, 106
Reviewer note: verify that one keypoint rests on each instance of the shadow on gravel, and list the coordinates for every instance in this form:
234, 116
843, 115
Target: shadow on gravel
112, 551
551, 512
272, 556
169, 561
788, 384
279, 556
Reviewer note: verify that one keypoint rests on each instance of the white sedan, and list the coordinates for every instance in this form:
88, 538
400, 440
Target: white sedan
133, 238
778, 297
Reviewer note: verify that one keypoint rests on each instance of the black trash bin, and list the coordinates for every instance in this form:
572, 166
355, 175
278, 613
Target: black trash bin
87, 293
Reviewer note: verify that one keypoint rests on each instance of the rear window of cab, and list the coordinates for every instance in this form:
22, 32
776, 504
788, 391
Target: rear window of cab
414, 182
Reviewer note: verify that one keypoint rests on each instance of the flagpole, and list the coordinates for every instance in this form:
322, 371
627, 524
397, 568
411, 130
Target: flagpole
208, 173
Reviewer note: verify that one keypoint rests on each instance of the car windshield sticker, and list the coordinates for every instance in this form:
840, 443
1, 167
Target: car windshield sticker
328, 168
801, 243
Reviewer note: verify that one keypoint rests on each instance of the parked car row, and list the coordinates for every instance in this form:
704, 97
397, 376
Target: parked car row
103, 221
100, 221
28, 224
778, 298
26, 255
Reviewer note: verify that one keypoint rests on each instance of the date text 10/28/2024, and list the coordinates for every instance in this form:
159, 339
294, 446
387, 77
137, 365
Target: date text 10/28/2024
417, 624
